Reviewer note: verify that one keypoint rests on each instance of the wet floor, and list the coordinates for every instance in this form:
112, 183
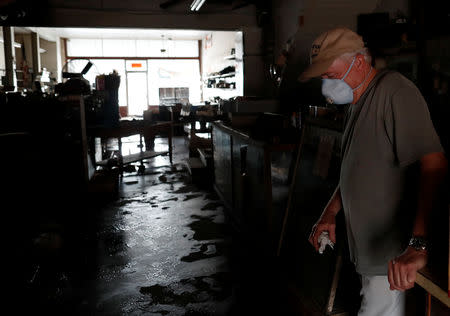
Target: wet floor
163, 246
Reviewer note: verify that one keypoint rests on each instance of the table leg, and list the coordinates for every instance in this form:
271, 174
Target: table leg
193, 128
170, 142
140, 142
141, 168
120, 157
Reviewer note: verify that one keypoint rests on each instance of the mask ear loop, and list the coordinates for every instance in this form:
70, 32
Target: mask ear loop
349, 68
364, 79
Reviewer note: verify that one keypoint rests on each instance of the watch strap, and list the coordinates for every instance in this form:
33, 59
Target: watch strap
418, 243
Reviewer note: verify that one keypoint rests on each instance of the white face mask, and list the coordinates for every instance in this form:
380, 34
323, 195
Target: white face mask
337, 91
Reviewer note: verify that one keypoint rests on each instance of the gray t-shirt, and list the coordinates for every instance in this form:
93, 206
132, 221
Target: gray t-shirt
387, 131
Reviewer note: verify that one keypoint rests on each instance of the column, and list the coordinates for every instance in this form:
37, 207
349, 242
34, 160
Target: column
10, 58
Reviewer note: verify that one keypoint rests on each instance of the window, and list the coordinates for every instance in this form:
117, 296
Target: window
180, 75
119, 48
132, 48
84, 47
174, 74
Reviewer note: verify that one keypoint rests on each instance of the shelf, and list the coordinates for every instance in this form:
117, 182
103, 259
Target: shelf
231, 74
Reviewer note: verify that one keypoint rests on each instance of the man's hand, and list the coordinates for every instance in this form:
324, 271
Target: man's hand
403, 269
327, 222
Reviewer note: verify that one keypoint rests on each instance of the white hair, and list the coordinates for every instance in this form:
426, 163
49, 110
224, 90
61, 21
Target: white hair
348, 57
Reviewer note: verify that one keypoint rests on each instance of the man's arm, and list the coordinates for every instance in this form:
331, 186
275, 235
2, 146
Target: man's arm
402, 270
433, 169
327, 221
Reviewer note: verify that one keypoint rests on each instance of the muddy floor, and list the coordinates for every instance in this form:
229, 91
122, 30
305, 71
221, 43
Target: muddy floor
162, 246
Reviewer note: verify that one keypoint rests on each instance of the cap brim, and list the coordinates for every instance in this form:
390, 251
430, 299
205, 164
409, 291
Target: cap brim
316, 69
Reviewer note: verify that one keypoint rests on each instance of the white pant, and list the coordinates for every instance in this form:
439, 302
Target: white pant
378, 299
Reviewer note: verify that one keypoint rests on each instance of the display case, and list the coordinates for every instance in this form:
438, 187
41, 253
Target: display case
251, 178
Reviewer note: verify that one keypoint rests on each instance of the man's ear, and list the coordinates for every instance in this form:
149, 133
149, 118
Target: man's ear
359, 61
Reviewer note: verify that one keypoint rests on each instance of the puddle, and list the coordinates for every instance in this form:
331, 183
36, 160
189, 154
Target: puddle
215, 287
172, 199
212, 196
206, 229
162, 178
162, 312
114, 242
126, 201
192, 196
186, 189
206, 251
152, 173
212, 206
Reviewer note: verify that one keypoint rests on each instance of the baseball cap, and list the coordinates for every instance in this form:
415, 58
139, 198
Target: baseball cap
329, 46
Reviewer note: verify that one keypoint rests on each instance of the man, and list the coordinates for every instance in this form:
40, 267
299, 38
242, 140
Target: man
392, 166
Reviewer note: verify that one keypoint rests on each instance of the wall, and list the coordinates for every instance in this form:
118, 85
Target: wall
215, 47
318, 16
251, 71
49, 57
59, 59
214, 51
2, 55
63, 53
2, 58
25, 51
256, 74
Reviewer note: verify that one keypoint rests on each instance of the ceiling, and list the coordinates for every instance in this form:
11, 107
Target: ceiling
113, 33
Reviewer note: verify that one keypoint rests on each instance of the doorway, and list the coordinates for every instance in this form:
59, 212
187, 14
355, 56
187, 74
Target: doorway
137, 93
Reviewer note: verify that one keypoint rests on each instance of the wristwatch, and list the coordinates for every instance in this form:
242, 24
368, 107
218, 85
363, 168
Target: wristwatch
418, 243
